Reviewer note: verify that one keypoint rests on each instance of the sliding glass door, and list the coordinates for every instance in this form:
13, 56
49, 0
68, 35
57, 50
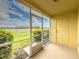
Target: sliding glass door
46, 28
22, 30
36, 29
36, 33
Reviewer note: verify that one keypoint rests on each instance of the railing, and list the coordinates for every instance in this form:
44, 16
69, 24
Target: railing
10, 43
45, 38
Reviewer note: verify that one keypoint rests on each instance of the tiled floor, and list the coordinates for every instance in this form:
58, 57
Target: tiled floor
52, 51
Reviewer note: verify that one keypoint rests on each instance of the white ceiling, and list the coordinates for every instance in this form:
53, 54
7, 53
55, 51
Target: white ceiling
53, 8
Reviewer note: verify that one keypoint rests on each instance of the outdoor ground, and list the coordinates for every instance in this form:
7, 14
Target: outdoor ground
19, 34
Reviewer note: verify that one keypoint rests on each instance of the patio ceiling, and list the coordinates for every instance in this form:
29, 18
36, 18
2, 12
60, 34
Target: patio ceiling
53, 7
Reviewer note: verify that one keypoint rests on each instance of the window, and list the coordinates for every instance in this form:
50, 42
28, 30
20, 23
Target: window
17, 19
46, 26
36, 29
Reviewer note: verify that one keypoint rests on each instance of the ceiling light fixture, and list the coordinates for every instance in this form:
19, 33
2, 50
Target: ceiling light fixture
55, 0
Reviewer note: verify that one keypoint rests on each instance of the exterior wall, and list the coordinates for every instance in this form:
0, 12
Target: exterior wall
66, 29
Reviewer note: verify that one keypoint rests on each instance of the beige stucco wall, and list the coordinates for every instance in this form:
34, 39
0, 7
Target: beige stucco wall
73, 30
53, 31
78, 32
66, 27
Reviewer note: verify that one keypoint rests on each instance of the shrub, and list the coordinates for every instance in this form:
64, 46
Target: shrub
37, 35
5, 37
45, 31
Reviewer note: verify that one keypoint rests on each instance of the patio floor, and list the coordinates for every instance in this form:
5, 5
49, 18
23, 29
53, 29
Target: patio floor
52, 51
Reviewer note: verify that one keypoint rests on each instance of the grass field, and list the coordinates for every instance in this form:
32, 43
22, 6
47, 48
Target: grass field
19, 34
22, 34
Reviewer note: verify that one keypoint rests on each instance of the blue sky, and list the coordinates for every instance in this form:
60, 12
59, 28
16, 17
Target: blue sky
20, 12
25, 14
46, 21
17, 9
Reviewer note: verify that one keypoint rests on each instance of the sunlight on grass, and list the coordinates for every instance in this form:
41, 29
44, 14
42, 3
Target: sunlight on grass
19, 34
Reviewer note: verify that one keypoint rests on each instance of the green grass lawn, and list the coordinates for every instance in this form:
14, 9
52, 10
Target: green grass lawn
24, 36
19, 34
